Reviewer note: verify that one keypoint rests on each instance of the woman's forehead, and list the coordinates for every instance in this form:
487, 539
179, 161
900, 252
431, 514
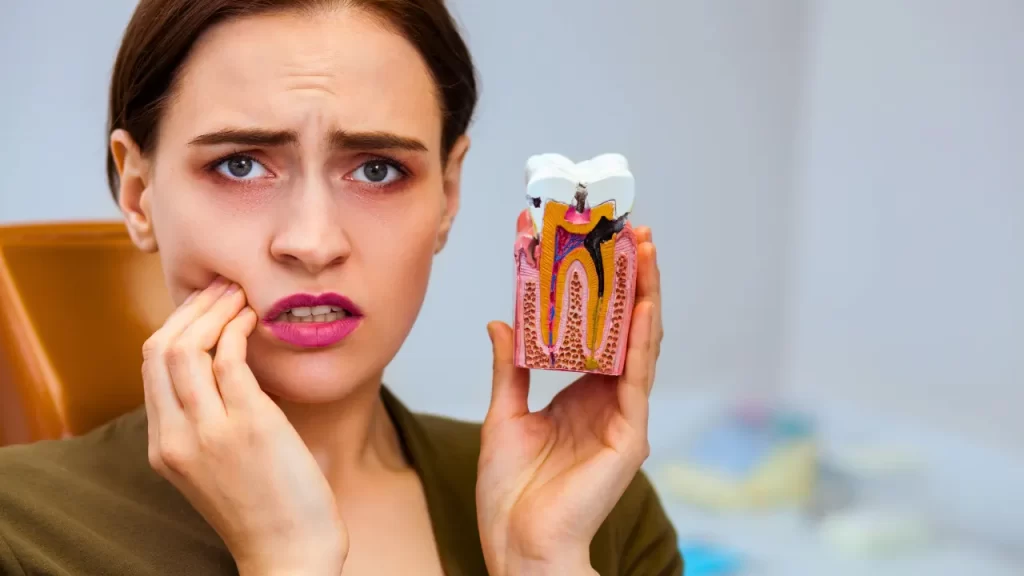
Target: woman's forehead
306, 73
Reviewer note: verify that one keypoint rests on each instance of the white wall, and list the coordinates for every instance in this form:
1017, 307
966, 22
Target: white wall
700, 95
908, 287
55, 63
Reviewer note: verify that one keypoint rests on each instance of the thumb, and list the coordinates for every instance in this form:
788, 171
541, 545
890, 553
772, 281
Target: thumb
510, 386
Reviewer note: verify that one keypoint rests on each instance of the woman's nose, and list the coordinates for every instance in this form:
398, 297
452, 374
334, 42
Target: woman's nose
310, 235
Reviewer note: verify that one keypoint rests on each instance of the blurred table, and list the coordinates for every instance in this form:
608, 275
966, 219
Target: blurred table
785, 544
977, 494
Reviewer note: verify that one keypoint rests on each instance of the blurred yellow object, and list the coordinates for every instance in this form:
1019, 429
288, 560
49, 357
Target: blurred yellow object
77, 300
785, 477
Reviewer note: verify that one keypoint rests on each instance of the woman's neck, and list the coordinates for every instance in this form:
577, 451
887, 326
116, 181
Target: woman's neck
352, 438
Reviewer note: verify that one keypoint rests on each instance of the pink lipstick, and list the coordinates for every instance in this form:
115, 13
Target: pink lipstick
310, 321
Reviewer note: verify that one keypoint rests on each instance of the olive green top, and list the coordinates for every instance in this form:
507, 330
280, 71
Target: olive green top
93, 505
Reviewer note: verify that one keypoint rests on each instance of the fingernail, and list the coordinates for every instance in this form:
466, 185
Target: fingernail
191, 297
218, 282
232, 289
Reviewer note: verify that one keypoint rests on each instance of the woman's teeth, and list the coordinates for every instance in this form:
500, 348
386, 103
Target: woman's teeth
313, 314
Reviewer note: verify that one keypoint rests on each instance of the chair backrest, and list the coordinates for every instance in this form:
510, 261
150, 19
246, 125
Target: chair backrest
77, 300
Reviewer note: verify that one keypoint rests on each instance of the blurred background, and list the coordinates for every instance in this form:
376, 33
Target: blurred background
836, 190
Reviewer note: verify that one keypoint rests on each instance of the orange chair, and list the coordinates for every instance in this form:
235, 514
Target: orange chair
77, 300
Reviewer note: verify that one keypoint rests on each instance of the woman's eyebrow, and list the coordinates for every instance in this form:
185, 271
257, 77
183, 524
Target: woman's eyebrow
341, 139
247, 137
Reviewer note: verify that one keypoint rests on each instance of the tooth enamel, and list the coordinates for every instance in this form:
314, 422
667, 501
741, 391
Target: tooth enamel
319, 317
321, 310
553, 177
301, 312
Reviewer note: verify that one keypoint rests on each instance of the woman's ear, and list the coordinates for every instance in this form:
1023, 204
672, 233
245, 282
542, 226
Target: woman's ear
452, 189
133, 189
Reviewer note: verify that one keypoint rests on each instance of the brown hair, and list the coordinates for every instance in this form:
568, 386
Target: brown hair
161, 34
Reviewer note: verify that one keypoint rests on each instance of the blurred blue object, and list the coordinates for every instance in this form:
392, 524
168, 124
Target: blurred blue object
703, 559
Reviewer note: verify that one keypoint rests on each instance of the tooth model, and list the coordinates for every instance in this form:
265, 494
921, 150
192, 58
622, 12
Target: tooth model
575, 256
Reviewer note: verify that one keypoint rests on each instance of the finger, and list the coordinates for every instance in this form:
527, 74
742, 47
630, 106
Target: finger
155, 375
510, 385
204, 332
152, 417
193, 307
633, 385
648, 282
235, 380
649, 290
189, 361
643, 234
164, 413
163, 409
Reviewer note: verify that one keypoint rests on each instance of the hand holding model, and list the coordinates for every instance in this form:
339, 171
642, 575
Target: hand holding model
548, 479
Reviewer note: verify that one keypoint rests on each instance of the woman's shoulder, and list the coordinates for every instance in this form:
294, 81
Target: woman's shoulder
44, 466
84, 504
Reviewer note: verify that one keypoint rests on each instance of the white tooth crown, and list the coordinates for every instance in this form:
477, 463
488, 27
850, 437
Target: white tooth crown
320, 310
301, 312
555, 177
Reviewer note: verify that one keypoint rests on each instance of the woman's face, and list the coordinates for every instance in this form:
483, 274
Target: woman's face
301, 155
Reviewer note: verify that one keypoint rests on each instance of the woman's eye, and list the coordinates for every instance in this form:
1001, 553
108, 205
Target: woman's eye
377, 172
242, 168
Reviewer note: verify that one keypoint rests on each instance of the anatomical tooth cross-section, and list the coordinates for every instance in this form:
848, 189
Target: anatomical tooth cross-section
575, 256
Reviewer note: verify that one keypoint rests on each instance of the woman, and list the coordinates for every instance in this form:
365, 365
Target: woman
298, 161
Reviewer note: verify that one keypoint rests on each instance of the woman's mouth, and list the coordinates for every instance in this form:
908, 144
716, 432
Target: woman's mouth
306, 314
310, 321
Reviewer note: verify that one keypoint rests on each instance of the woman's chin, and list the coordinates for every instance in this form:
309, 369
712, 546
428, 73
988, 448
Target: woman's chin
307, 392
310, 377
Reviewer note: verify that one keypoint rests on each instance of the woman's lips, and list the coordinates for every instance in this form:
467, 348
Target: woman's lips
286, 326
314, 334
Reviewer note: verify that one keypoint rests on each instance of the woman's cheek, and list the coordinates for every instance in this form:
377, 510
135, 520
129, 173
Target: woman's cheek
193, 257
406, 257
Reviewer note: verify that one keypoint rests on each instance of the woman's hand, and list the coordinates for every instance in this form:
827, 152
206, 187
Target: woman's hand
229, 449
548, 479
